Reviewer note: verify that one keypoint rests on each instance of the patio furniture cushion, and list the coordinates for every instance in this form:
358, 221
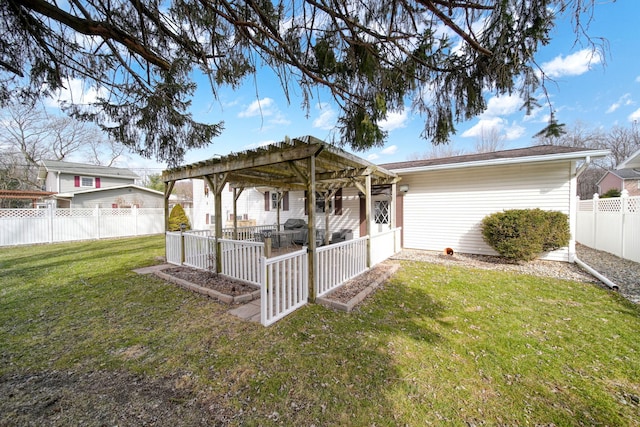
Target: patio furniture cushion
341, 235
294, 223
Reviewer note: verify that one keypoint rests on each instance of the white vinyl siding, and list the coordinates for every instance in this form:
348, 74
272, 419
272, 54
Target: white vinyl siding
251, 204
445, 208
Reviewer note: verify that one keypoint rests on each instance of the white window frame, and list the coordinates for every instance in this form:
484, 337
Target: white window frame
93, 181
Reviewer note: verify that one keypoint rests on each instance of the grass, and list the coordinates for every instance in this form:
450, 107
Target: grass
435, 345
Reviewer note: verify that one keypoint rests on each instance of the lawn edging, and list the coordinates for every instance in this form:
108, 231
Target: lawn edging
212, 293
349, 305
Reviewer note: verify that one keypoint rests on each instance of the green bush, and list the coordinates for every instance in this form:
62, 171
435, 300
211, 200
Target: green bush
524, 234
612, 192
177, 217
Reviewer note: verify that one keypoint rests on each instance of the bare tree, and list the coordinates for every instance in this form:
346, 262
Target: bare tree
620, 141
29, 135
437, 152
489, 141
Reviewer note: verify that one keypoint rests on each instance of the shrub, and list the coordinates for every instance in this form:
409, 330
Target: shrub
612, 192
524, 234
177, 217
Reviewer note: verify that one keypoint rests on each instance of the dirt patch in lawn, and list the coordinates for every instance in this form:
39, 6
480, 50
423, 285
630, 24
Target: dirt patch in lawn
99, 398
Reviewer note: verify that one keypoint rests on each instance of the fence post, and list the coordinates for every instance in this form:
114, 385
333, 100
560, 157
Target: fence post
596, 197
50, 215
624, 199
134, 212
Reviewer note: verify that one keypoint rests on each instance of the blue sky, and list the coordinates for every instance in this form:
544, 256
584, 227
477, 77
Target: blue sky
599, 91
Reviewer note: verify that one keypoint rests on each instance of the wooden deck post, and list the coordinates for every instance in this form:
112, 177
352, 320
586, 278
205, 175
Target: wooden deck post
311, 226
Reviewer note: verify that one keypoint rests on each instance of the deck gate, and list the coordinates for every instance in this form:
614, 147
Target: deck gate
284, 286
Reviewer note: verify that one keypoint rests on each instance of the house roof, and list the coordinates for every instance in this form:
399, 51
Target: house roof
623, 174
84, 169
633, 162
537, 153
98, 190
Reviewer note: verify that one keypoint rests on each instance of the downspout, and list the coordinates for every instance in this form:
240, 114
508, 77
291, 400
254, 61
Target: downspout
590, 270
597, 275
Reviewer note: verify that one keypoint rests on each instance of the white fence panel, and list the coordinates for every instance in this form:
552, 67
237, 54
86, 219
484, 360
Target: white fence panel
173, 247
585, 229
199, 251
384, 245
339, 263
31, 226
284, 286
611, 225
241, 260
24, 226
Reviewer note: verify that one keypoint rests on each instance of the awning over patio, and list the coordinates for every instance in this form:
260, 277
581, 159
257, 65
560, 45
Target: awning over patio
305, 163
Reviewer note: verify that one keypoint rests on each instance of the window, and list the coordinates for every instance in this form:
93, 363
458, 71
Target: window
274, 200
87, 181
381, 212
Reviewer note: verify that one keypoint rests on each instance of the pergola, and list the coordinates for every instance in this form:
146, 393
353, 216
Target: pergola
32, 195
305, 163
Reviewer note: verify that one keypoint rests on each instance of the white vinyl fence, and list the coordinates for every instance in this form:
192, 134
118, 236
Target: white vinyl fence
32, 226
611, 225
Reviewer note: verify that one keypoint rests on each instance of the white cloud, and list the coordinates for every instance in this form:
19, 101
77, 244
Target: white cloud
502, 105
389, 150
624, 100
483, 125
635, 115
260, 107
510, 132
76, 92
372, 157
571, 65
638, 79
327, 118
394, 120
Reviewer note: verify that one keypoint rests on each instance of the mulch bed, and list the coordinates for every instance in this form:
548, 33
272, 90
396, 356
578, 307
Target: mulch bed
210, 280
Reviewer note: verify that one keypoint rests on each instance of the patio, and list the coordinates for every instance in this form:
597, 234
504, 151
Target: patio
288, 280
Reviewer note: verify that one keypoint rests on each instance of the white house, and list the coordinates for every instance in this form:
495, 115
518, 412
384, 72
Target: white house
79, 185
440, 203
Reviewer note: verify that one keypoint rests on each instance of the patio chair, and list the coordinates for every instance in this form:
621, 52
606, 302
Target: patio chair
341, 235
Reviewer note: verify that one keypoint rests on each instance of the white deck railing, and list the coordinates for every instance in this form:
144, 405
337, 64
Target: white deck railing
283, 280
247, 233
173, 247
241, 260
284, 285
384, 245
340, 262
199, 250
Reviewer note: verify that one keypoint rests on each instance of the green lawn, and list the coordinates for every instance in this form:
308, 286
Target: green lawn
435, 345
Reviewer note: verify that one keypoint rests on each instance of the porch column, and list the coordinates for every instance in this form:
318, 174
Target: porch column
217, 184
168, 188
311, 227
367, 215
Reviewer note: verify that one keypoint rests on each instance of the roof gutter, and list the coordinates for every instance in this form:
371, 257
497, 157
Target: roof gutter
508, 161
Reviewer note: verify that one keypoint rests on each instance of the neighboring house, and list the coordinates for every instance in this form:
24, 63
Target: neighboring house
440, 202
621, 179
79, 185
